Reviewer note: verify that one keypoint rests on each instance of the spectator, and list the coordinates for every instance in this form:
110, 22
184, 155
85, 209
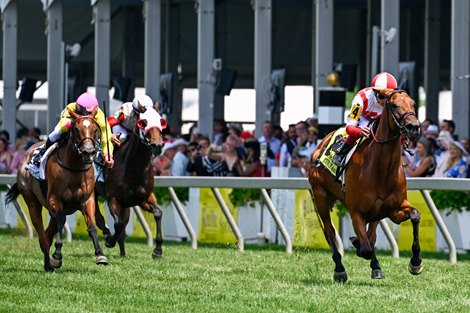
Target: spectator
456, 166
432, 132
220, 131
227, 156
273, 144
424, 127
196, 166
305, 148
235, 129
251, 166
465, 142
21, 146
278, 132
448, 125
442, 153
5, 157
287, 147
426, 164
162, 163
180, 160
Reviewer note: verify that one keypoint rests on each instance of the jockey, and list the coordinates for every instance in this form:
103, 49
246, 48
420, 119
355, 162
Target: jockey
120, 123
84, 105
367, 104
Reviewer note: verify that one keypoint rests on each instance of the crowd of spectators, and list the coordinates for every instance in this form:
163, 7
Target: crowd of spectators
438, 153
235, 152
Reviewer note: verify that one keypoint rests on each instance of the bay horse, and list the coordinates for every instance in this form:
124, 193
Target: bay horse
375, 185
70, 187
130, 181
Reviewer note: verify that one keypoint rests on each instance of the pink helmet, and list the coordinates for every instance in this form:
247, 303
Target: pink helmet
87, 101
384, 80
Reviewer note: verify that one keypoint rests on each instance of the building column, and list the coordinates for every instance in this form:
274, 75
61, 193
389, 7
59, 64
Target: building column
10, 34
55, 62
205, 56
432, 57
102, 22
262, 75
459, 66
152, 17
390, 39
323, 47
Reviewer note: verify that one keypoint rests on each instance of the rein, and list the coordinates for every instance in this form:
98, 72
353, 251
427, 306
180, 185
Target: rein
401, 128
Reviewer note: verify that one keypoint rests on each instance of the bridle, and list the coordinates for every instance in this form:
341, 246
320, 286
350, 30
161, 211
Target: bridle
402, 131
77, 143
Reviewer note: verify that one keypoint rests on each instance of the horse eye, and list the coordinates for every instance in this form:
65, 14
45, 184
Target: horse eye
394, 106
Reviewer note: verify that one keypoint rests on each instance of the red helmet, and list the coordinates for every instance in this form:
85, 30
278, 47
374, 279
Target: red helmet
87, 101
384, 80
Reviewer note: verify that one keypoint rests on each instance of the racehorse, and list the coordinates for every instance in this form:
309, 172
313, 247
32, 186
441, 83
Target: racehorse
131, 180
70, 187
375, 185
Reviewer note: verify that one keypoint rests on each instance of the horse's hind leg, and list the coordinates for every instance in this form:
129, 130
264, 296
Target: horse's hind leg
89, 214
100, 221
362, 244
35, 209
323, 206
151, 206
121, 230
374, 263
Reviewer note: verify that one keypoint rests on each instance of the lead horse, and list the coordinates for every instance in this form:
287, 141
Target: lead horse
131, 180
375, 185
69, 187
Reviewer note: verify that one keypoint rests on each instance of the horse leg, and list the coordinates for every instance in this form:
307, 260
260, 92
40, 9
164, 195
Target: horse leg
89, 214
52, 229
114, 209
151, 206
121, 230
406, 212
35, 210
374, 263
100, 221
322, 204
361, 243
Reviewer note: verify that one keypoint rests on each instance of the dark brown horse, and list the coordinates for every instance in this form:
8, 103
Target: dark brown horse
131, 180
70, 188
375, 185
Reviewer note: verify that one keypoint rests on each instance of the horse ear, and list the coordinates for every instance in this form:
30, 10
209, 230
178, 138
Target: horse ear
164, 123
95, 111
142, 123
142, 109
72, 113
156, 106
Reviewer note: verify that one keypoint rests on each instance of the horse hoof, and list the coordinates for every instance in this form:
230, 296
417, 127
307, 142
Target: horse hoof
109, 242
48, 267
101, 260
416, 270
377, 274
340, 277
157, 254
55, 263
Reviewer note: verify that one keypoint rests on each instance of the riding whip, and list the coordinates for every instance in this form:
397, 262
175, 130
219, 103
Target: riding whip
106, 128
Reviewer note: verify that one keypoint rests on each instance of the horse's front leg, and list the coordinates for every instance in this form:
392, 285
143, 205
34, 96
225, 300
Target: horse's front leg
361, 242
89, 214
408, 212
120, 221
100, 221
151, 206
35, 212
56, 226
374, 263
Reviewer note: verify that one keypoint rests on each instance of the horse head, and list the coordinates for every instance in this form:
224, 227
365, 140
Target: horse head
151, 125
402, 110
85, 134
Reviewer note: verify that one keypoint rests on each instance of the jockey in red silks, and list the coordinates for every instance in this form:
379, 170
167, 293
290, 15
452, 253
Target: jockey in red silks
121, 123
84, 105
367, 104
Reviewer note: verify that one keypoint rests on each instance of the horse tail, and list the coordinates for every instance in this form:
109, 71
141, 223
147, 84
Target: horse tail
12, 194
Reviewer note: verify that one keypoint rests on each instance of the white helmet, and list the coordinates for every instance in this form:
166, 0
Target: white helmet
144, 101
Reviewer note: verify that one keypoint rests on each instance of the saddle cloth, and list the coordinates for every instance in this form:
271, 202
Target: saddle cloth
40, 172
326, 157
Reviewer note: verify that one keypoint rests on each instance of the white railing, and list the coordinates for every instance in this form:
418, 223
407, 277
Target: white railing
421, 184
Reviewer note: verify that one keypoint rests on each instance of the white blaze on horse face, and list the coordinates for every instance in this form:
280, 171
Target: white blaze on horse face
153, 120
86, 123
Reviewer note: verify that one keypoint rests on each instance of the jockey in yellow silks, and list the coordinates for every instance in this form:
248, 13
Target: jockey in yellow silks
367, 104
84, 105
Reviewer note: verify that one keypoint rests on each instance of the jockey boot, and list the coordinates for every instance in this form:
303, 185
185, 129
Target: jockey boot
341, 151
37, 157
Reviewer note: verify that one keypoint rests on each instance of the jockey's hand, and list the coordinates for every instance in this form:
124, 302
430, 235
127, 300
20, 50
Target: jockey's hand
115, 139
365, 131
109, 162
